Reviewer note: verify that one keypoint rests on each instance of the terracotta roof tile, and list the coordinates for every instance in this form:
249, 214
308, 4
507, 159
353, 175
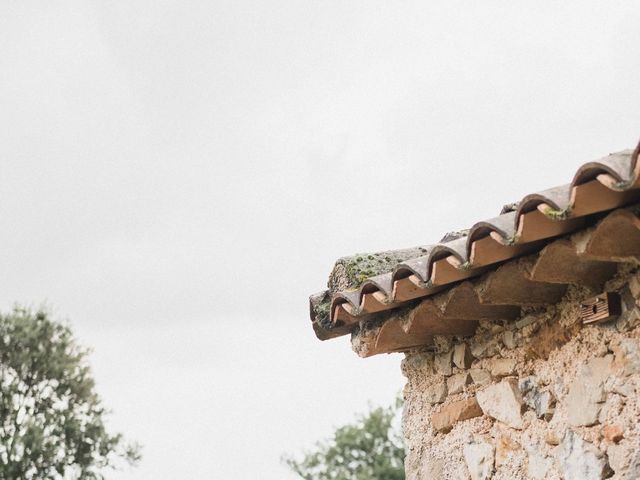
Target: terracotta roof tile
363, 286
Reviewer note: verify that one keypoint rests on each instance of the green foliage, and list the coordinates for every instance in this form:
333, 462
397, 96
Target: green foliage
368, 449
51, 419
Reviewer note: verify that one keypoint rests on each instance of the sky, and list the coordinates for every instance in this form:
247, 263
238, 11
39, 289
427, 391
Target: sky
176, 177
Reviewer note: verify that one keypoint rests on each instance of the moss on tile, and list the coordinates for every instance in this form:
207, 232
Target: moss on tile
556, 215
321, 311
349, 273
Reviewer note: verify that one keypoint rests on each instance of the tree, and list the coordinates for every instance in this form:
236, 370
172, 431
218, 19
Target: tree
51, 419
368, 449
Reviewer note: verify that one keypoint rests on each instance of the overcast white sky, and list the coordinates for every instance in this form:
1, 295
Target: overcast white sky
177, 177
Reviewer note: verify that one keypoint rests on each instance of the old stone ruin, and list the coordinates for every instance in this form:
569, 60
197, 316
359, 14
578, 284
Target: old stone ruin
520, 336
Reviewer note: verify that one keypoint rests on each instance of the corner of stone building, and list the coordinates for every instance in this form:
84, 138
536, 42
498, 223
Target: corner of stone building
544, 397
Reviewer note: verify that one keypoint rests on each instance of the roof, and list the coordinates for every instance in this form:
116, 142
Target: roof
367, 289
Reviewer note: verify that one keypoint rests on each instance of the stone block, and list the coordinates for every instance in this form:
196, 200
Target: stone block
442, 363
580, 460
503, 367
480, 376
479, 456
436, 393
525, 321
509, 340
503, 402
586, 392
451, 413
462, 357
456, 383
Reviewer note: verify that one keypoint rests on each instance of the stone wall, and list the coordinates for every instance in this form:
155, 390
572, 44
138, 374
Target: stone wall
544, 397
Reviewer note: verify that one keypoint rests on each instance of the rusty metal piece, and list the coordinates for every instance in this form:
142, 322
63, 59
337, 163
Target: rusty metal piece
601, 308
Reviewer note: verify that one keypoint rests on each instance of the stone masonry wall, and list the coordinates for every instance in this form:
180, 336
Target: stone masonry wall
544, 397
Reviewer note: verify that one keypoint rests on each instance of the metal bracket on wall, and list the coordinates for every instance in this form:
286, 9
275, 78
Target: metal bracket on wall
600, 308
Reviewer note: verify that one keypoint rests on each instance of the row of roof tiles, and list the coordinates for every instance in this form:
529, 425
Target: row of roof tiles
523, 228
588, 258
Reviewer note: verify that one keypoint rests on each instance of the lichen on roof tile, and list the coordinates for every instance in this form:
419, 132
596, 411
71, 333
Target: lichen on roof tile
350, 272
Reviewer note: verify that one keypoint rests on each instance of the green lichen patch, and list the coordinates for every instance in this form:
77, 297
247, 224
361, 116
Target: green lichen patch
349, 273
321, 312
513, 239
556, 215
465, 266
